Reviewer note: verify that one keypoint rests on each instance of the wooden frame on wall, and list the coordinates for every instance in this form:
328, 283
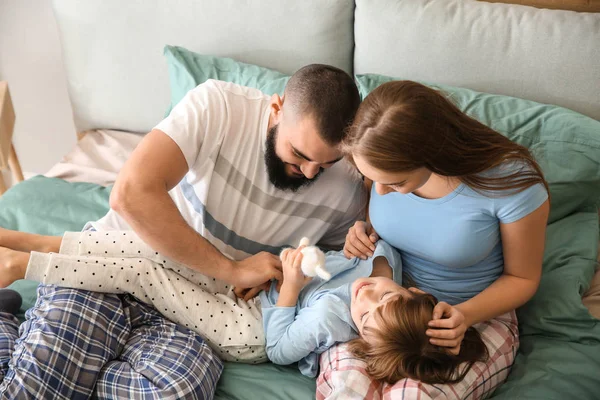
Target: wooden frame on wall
572, 5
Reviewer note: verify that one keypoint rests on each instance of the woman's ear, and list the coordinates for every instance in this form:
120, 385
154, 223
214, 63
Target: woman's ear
416, 290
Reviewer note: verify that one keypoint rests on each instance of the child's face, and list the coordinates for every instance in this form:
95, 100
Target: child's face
370, 293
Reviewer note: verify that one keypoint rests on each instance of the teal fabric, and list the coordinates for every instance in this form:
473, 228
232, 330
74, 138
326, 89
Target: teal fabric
188, 69
559, 356
49, 207
52, 206
556, 310
566, 144
264, 382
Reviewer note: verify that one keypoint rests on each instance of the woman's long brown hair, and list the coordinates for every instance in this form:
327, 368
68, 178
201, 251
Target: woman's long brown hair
399, 348
403, 125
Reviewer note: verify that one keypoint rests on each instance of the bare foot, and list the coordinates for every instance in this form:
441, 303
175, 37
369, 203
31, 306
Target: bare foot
27, 242
13, 265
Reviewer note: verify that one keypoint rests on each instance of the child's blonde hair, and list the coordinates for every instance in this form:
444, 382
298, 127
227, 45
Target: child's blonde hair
399, 347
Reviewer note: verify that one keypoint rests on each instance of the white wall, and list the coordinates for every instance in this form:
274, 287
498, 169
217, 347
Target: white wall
30, 60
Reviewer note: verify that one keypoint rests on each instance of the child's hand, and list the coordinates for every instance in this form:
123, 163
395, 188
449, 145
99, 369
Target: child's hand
293, 277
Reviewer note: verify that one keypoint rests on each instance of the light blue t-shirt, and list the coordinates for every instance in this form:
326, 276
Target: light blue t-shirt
451, 247
321, 317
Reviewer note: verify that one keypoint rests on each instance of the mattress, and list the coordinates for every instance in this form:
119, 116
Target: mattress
97, 157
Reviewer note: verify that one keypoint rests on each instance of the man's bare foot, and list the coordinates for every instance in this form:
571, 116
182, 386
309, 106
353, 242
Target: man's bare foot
27, 242
13, 265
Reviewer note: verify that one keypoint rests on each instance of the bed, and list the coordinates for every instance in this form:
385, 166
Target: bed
120, 87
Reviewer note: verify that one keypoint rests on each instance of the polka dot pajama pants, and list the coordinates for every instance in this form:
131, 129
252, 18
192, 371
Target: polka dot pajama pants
120, 262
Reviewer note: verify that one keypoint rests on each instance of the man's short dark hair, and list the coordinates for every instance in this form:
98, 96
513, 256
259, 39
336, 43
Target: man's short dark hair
328, 95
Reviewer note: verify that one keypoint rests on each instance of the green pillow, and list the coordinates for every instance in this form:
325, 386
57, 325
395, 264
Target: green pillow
559, 356
565, 143
50, 206
188, 69
556, 310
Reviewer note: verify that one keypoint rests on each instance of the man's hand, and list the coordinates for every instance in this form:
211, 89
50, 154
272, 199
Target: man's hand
450, 322
360, 240
253, 274
249, 293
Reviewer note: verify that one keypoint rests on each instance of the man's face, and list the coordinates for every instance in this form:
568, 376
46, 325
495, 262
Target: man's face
295, 153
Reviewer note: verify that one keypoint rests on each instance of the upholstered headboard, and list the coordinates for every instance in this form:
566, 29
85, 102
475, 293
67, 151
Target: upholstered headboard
117, 76
112, 49
550, 56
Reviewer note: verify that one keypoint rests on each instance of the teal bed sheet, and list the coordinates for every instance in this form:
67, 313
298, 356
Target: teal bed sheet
52, 206
559, 356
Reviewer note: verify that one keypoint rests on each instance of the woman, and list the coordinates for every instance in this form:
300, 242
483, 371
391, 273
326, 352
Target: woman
466, 207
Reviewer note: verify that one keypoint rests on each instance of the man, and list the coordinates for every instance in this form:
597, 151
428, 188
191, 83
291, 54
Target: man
221, 185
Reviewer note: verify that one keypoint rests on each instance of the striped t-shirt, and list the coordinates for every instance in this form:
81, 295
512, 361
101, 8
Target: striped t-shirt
227, 197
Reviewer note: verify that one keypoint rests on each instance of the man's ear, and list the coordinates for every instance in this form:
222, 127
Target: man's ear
276, 105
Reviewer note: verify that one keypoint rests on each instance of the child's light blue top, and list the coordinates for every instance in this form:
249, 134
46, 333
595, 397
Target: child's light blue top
451, 247
321, 317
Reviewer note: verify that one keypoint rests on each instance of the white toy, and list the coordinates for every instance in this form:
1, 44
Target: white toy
313, 260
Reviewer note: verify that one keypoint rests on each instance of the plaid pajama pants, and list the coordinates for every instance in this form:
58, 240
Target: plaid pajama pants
120, 262
77, 344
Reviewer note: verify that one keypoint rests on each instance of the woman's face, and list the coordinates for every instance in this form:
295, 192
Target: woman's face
386, 182
370, 293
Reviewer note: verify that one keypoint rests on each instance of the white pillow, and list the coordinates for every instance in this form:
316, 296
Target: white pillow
549, 56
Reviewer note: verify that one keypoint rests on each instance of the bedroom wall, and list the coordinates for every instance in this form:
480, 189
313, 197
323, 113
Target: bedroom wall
30, 60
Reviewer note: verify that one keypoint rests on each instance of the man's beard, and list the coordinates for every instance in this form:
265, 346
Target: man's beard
276, 167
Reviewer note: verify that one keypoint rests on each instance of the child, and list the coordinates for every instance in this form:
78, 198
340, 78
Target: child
301, 321
365, 303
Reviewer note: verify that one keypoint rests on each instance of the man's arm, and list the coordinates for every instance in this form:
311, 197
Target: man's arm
140, 196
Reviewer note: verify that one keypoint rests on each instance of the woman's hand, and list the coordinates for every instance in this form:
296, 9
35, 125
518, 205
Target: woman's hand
360, 240
450, 327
